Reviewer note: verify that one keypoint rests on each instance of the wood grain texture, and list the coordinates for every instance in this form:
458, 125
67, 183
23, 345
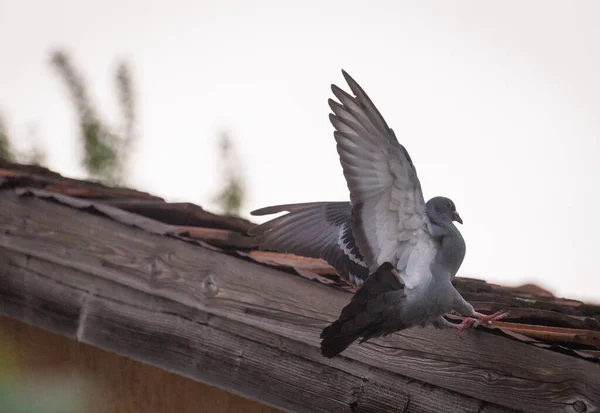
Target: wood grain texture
121, 385
236, 357
290, 310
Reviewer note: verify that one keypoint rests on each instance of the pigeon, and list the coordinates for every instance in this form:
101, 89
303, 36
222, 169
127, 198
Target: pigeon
401, 251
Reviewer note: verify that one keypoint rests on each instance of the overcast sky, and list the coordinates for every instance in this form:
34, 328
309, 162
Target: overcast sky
497, 103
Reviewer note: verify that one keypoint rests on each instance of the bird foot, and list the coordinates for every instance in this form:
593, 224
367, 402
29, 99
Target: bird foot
467, 322
486, 320
480, 319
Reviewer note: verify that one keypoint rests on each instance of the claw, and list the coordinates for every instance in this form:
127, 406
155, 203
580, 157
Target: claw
480, 319
467, 322
484, 319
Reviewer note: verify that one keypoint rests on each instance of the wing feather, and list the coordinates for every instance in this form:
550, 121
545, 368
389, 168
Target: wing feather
388, 208
318, 230
386, 219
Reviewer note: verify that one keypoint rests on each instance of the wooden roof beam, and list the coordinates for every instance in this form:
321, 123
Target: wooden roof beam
253, 330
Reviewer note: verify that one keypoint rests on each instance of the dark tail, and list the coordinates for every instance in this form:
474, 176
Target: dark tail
333, 345
373, 311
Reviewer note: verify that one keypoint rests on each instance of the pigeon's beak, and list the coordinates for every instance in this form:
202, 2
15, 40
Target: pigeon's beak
456, 217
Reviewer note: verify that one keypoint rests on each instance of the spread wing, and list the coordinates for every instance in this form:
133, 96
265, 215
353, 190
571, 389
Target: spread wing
318, 230
389, 219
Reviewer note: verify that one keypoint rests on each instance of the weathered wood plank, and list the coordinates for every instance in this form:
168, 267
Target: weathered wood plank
494, 369
244, 360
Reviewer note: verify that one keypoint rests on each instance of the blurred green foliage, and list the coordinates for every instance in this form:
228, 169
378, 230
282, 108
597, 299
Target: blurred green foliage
6, 149
34, 155
127, 101
105, 152
232, 195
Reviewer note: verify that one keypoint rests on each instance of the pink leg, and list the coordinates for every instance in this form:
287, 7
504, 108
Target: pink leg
480, 319
467, 322
485, 319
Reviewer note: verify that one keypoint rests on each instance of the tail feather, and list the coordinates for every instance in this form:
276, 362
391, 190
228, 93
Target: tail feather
374, 311
332, 346
339, 336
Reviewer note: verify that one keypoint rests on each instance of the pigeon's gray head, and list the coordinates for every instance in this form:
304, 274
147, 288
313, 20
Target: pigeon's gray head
442, 210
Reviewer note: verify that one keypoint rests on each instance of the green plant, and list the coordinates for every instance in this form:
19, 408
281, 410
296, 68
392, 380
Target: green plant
105, 152
232, 194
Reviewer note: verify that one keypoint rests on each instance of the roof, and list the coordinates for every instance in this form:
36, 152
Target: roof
537, 318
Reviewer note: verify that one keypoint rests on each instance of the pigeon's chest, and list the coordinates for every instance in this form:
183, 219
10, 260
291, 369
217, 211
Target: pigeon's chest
427, 284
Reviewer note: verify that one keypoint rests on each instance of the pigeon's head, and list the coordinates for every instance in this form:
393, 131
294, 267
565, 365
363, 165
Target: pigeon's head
441, 209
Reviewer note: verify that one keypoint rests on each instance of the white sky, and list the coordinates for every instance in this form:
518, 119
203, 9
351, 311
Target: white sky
497, 103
